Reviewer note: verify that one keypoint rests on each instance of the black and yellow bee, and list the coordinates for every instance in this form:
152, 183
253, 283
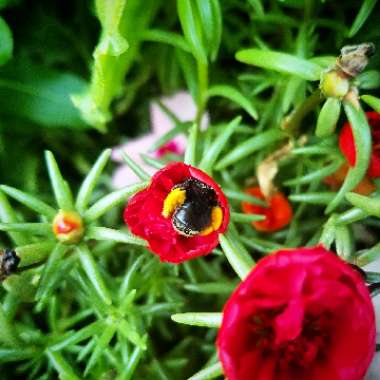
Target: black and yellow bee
8, 263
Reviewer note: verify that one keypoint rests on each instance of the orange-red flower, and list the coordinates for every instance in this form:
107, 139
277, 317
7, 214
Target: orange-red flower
301, 314
278, 212
180, 214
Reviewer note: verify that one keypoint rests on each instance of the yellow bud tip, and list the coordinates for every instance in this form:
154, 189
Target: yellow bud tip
175, 198
68, 227
216, 221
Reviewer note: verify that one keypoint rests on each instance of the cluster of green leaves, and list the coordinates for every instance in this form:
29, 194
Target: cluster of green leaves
100, 309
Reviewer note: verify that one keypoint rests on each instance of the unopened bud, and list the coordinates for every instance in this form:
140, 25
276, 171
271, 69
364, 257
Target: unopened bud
68, 227
334, 84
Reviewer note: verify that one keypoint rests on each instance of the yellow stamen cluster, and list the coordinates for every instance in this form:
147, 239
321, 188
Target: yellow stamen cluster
216, 221
175, 198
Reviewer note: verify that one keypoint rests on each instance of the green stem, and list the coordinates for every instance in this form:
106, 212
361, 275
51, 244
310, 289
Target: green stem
202, 91
292, 122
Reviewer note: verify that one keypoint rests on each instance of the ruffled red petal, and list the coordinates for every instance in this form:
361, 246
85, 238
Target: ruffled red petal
290, 319
347, 144
144, 218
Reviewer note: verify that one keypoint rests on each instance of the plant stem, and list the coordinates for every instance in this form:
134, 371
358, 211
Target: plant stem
292, 122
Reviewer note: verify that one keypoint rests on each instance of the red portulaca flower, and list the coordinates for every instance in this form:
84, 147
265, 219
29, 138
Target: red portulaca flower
278, 213
301, 314
180, 214
347, 144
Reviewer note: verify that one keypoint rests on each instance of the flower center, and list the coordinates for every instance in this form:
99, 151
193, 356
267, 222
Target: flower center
298, 353
193, 208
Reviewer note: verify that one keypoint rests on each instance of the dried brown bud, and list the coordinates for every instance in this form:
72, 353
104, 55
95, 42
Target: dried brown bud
353, 59
8, 263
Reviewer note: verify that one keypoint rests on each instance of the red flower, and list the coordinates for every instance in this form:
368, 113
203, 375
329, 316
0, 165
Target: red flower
301, 314
180, 214
278, 214
347, 145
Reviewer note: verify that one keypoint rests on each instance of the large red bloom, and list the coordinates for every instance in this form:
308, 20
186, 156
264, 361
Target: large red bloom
144, 215
278, 213
347, 144
301, 314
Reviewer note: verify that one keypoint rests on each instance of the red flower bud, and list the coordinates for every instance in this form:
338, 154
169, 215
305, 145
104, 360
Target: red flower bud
68, 227
277, 214
180, 214
300, 314
347, 144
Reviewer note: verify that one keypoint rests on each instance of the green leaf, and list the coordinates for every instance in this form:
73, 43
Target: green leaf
343, 242
132, 364
32, 228
84, 333
7, 215
64, 369
369, 255
15, 355
361, 17
60, 187
191, 26
245, 218
213, 152
211, 20
52, 268
328, 117
369, 80
316, 175
112, 200
90, 181
208, 373
211, 288
371, 206
242, 197
246, 148
351, 216
29, 201
199, 319
235, 96
372, 101
34, 253
320, 198
21, 286
281, 62
8, 335
40, 95
257, 6
102, 343
190, 154
241, 262
165, 37
91, 268
362, 137
6, 45
138, 170
103, 233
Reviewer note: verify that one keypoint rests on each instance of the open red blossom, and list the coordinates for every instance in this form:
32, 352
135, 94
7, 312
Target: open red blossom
277, 214
180, 214
301, 314
347, 144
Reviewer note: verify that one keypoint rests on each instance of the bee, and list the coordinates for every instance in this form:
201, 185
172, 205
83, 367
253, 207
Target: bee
195, 214
353, 59
8, 263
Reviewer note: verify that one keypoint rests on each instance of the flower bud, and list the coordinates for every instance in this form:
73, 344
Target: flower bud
334, 84
68, 227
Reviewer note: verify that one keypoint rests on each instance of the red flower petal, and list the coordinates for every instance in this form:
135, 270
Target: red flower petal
301, 314
278, 214
347, 144
144, 218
